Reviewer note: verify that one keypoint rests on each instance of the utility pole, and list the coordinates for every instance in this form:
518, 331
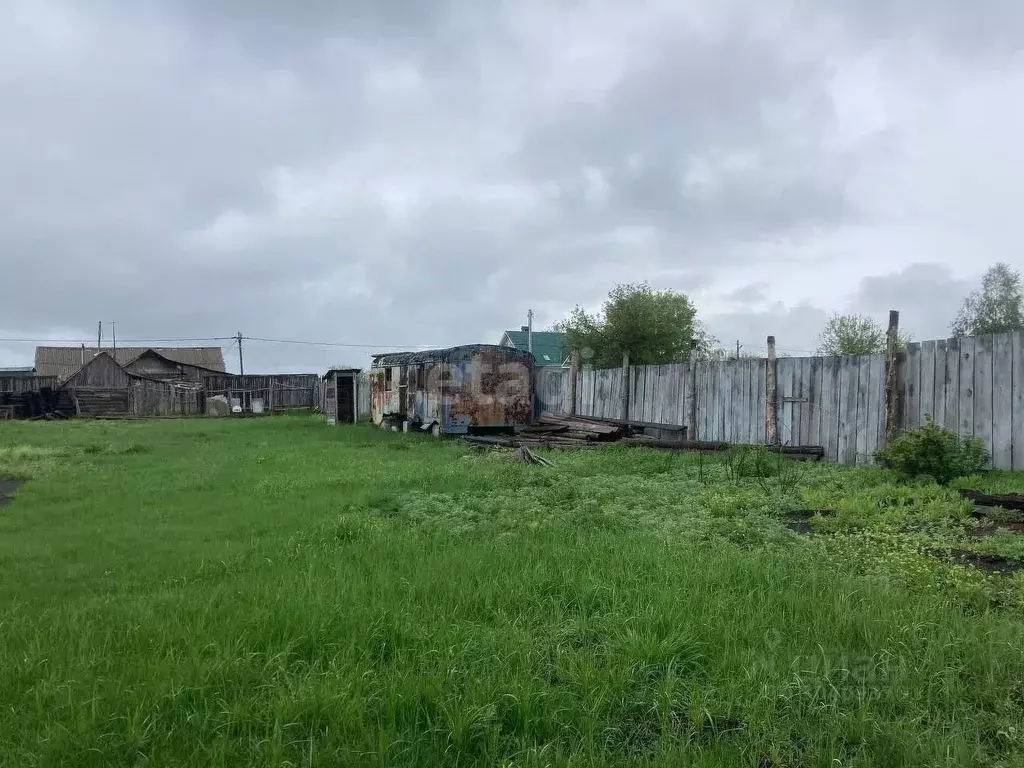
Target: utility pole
737, 349
113, 335
99, 335
241, 365
529, 330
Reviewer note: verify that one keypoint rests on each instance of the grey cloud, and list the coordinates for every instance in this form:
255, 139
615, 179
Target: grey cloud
795, 328
928, 296
405, 173
986, 29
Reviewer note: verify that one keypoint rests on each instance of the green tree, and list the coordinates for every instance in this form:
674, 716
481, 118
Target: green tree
854, 335
654, 327
998, 307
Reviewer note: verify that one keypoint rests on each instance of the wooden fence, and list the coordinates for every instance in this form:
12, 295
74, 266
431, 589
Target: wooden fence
974, 386
279, 391
15, 384
139, 399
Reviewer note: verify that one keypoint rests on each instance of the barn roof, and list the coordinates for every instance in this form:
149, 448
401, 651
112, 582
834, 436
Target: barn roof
105, 354
150, 352
64, 361
449, 355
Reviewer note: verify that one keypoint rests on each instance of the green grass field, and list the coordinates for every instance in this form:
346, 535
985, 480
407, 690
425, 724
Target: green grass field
281, 593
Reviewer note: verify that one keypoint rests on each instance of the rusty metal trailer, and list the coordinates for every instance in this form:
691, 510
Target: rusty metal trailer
463, 390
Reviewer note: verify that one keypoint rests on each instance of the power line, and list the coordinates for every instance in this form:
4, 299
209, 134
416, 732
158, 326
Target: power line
337, 343
123, 341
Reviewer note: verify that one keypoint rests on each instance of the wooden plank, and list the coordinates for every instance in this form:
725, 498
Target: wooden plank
784, 366
710, 414
612, 381
1017, 415
638, 376
951, 386
680, 407
719, 393
926, 396
683, 403
591, 392
850, 368
643, 401
651, 386
983, 390
1002, 401
761, 404
939, 400
721, 399
667, 394
747, 409
863, 416
803, 391
825, 428
727, 392
912, 387
616, 382
966, 426
876, 407
795, 366
814, 401
662, 410
750, 403
700, 380
835, 384
737, 404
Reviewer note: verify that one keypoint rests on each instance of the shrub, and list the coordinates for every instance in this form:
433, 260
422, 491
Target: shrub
931, 451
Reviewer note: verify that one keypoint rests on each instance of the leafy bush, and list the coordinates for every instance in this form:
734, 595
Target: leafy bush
931, 451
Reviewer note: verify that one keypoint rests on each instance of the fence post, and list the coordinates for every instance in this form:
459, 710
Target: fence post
624, 408
692, 432
574, 372
891, 392
771, 397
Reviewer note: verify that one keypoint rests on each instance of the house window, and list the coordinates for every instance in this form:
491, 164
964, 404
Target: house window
387, 379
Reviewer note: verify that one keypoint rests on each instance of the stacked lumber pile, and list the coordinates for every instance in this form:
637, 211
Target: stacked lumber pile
575, 428
557, 432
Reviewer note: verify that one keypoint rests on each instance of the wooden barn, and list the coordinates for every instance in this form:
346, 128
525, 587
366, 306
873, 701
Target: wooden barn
341, 395
156, 365
102, 387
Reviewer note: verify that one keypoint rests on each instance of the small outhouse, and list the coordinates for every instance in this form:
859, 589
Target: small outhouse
341, 395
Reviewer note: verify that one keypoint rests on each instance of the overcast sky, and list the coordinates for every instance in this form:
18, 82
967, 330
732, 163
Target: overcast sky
422, 173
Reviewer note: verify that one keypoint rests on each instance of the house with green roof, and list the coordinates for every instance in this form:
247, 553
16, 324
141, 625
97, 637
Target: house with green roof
549, 347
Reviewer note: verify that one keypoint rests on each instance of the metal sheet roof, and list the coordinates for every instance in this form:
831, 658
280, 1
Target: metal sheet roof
449, 355
64, 361
549, 347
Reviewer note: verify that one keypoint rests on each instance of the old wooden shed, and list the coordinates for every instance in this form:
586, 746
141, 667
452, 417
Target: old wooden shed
341, 395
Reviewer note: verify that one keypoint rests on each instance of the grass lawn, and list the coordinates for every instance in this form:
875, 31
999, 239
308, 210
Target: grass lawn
278, 592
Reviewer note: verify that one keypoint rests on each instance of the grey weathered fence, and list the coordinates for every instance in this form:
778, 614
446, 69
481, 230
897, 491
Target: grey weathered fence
16, 384
279, 391
974, 386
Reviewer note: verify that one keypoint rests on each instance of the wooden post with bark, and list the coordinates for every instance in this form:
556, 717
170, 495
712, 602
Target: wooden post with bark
624, 409
771, 395
892, 413
574, 373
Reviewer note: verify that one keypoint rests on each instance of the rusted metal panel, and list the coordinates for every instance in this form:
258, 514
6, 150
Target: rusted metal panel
461, 389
